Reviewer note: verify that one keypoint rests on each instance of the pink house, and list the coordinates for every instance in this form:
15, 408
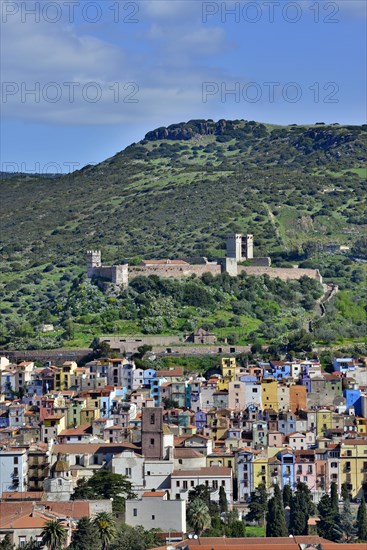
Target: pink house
275, 439
305, 468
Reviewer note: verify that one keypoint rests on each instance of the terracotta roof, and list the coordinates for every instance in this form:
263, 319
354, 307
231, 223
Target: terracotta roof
187, 453
79, 430
92, 448
154, 494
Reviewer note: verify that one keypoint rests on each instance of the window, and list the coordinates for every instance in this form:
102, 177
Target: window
128, 471
153, 517
177, 483
16, 460
135, 512
349, 453
77, 459
152, 418
305, 479
184, 484
152, 441
180, 460
223, 482
192, 483
148, 473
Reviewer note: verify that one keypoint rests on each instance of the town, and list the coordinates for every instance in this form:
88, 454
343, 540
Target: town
171, 435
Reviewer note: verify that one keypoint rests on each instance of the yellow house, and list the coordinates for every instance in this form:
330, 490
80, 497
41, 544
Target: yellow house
218, 458
229, 370
361, 425
261, 471
89, 414
64, 376
324, 421
51, 426
353, 465
269, 393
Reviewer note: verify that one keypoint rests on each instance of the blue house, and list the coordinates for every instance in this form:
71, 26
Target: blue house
245, 475
343, 364
279, 370
353, 399
287, 461
200, 420
149, 374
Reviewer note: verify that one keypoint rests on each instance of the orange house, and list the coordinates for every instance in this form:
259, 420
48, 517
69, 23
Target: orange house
297, 398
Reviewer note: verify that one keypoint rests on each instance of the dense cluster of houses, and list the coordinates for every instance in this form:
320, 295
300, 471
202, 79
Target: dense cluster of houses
272, 423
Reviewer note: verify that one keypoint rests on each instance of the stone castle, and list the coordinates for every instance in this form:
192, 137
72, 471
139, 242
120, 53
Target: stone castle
239, 248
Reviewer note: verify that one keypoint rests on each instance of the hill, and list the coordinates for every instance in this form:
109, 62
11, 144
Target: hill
179, 192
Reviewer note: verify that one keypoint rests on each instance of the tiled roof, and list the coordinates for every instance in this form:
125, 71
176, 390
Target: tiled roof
154, 494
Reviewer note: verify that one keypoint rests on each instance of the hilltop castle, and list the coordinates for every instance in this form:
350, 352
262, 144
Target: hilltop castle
239, 248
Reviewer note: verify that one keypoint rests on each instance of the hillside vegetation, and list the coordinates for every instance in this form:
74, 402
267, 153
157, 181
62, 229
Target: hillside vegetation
178, 193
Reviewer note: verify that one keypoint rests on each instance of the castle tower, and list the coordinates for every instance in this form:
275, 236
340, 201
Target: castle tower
247, 247
234, 247
93, 261
152, 433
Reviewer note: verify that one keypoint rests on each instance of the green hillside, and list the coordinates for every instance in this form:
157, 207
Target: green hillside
178, 193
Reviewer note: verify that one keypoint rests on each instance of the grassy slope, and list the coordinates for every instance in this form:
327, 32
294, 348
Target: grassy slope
169, 198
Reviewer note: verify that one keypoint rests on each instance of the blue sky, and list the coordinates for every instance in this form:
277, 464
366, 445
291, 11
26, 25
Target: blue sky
105, 72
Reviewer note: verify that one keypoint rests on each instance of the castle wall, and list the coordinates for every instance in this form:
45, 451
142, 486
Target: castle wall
175, 271
117, 274
261, 262
283, 273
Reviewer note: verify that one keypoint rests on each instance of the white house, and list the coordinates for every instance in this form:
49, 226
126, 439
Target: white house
157, 512
183, 481
13, 469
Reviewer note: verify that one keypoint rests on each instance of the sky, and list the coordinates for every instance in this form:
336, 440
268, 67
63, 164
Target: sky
81, 80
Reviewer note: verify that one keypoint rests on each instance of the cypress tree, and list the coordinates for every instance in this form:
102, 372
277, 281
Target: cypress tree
325, 526
334, 497
223, 505
275, 517
299, 516
362, 521
287, 495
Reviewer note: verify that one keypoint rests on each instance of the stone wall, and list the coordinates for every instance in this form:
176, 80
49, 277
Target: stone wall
175, 271
282, 272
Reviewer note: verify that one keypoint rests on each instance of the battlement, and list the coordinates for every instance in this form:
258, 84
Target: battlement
239, 248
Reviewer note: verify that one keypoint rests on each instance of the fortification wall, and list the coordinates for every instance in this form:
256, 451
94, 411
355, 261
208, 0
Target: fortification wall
175, 271
283, 273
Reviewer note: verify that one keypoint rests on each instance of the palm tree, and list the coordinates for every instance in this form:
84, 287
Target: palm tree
106, 526
199, 516
54, 535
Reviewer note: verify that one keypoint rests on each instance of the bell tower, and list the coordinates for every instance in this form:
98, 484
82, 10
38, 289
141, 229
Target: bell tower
152, 433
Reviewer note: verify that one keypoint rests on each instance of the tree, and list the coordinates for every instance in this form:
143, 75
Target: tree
54, 535
275, 517
258, 505
362, 521
6, 543
106, 528
223, 504
199, 516
85, 536
298, 524
135, 538
345, 530
325, 525
334, 497
345, 491
287, 495
104, 485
